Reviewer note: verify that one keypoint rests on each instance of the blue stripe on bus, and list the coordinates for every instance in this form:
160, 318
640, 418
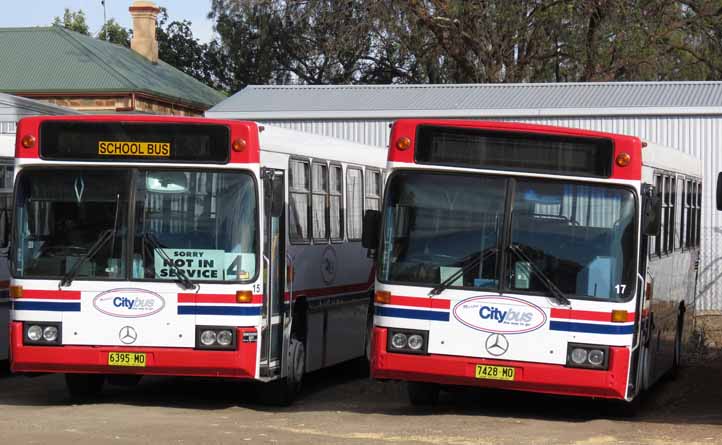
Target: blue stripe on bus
46, 306
416, 314
589, 328
219, 310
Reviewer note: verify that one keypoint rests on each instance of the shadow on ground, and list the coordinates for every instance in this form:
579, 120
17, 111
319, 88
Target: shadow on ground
695, 397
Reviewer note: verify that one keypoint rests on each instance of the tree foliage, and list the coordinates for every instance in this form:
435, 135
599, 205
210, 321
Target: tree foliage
113, 32
441, 41
74, 21
445, 41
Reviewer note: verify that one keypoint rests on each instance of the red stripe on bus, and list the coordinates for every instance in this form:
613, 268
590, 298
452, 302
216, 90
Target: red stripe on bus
571, 314
51, 294
215, 298
432, 303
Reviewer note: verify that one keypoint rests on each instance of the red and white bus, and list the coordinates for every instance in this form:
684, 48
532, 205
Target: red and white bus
188, 246
532, 258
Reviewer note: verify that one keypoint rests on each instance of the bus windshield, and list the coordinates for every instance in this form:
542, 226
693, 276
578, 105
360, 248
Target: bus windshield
202, 223
580, 236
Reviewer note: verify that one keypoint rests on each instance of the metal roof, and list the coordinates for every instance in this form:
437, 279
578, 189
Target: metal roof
17, 105
13, 108
548, 99
56, 60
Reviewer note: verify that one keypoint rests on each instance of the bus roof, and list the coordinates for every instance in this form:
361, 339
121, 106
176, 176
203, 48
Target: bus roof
668, 158
7, 145
296, 143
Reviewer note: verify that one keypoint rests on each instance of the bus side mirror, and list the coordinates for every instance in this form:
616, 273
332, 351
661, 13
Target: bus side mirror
651, 211
370, 229
719, 191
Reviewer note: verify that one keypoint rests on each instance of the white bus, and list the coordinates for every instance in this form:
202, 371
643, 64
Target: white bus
7, 151
532, 258
195, 247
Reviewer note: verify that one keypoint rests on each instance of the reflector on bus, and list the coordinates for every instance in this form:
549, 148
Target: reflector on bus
136, 141
530, 152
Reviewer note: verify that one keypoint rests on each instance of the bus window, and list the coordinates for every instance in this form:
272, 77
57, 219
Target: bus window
335, 198
206, 225
299, 190
373, 189
354, 202
581, 236
319, 210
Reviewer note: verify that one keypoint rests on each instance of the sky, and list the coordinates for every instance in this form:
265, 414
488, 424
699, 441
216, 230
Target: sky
21, 13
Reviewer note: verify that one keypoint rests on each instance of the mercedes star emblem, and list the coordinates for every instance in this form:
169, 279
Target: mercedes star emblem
127, 335
496, 344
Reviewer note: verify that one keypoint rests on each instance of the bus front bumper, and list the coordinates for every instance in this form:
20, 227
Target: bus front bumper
533, 377
239, 363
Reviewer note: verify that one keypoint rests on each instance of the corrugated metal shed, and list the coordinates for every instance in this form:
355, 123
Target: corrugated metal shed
393, 101
13, 108
684, 115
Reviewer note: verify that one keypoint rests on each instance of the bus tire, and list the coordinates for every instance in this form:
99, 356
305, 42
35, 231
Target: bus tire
423, 394
677, 360
363, 363
84, 386
283, 392
624, 409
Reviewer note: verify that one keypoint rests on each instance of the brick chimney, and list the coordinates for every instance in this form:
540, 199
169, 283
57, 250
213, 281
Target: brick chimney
143, 42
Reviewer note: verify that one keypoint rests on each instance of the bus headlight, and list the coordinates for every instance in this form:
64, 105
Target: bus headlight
41, 333
50, 333
224, 338
35, 333
407, 341
215, 337
399, 340
587, 356
416, 342
208, 338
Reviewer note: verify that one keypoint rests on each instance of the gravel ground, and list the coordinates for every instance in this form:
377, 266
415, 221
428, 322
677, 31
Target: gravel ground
338, 406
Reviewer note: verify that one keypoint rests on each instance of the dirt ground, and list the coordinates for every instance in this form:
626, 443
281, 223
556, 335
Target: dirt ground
337, 406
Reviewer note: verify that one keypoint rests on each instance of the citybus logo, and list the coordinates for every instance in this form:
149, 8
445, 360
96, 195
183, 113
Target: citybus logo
128, 303
499, 315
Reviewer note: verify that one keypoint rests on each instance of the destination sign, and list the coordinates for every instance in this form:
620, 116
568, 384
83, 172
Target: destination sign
118, 148
114, 141
514, 151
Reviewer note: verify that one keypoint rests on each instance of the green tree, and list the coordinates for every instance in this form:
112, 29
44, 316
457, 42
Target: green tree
113, 32
74, 21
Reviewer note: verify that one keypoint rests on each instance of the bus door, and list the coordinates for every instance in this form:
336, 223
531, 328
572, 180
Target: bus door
273, 335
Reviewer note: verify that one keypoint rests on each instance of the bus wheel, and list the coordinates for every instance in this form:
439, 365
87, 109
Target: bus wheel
84, 386
284, 391
423, 394
624, 409
677, 360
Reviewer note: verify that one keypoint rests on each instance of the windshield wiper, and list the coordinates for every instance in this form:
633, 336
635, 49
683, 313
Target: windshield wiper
549, 284
183, 280
105, 235
479, 257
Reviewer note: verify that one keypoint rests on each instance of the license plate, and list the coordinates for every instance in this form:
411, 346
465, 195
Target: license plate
126, 359
495, 372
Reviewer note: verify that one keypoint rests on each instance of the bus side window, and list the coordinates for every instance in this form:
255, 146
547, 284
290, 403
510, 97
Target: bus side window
373, 189
335, 202
354, 202
319, 209
299, 185
659, 186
